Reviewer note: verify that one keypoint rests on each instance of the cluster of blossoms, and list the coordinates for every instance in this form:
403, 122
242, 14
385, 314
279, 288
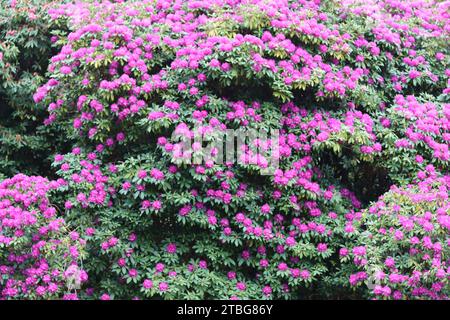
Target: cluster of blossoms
346, 88
405, 249
39, 256
427, 123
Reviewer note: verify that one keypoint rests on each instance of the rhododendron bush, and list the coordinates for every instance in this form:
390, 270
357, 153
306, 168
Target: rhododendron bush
39, 255
404, 245
25, 47
353, 201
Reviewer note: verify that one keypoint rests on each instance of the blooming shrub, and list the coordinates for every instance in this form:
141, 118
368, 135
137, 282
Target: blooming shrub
39, 257
179, 238
404, 250
358, 92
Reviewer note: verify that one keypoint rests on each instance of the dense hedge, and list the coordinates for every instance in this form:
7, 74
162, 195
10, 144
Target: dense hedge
357, 208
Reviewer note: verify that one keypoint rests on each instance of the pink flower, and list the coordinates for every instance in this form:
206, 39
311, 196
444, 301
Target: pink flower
65, 70
304, 274
359, 251
157, 174
241, 286
413, 74
322, 136
389, 262
322, 247
148, 284
265, 208
163, 286
133, 273
142, 174
267, 290
343, 252
171, 248
290, 241
105, 296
